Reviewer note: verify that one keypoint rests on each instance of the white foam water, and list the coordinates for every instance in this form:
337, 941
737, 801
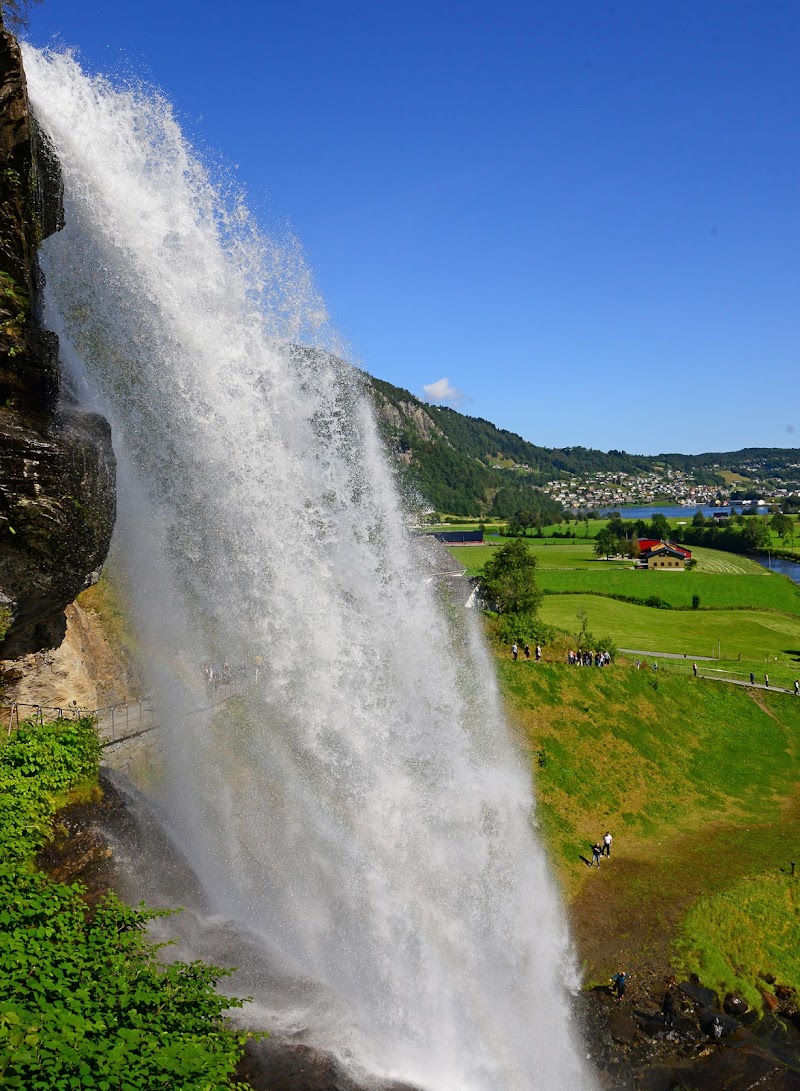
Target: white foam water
362, 812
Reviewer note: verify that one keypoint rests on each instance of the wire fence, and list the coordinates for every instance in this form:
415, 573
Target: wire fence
118, 722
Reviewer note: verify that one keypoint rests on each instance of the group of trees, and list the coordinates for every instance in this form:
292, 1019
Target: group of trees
738, 534
620, 537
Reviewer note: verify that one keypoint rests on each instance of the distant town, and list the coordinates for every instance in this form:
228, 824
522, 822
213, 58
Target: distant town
667, 486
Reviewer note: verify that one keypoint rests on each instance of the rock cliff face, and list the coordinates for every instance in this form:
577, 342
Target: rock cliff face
57, 467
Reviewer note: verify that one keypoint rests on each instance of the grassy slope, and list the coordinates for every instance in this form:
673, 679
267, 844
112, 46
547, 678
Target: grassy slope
699, 785
749, 634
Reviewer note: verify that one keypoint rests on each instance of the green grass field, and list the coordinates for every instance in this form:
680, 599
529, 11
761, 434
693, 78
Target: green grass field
729, 634
698, 783
549, 552
722, 580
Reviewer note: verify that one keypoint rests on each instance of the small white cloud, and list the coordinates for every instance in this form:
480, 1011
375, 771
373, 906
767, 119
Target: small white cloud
442, 392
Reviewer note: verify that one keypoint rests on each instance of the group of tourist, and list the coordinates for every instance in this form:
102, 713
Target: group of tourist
224, 675
526, 650
582, 658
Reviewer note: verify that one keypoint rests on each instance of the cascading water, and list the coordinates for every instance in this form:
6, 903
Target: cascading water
361, 813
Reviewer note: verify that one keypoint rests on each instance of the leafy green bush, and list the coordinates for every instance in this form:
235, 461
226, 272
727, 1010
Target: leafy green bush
39, 764
85, 1002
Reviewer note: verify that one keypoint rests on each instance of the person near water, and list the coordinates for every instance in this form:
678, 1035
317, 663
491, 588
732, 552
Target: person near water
620, 983
514, 652
717, 1030
694, 669
607, 839
597, 852
667, 1008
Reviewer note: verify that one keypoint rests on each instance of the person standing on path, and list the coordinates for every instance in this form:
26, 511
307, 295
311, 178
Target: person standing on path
667, 1008
620, 983
752, 679
797, 687
607, 839
766, 681
514, 652
694, 669
596, 854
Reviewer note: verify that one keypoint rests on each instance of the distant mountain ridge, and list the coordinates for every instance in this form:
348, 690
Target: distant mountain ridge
467, 466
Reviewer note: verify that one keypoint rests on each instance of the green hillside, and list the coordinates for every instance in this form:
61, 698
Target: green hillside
466, 466
697, 782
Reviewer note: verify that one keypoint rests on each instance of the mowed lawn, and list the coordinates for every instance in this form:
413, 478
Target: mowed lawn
746, 634
557, 553
720, 579
678, 588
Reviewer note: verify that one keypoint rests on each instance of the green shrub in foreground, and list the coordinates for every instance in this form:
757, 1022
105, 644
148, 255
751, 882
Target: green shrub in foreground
39, 764
84, 1001
86, 1004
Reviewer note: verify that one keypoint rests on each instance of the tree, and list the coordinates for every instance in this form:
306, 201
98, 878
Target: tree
14, 14
783, 527
659, 526
756, 535
508, 584
606, 543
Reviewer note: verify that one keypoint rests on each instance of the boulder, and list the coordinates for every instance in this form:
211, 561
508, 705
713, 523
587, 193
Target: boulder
706, 998
734, 1005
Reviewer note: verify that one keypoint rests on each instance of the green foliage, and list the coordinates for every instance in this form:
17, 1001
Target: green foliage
86, 1004
508, 584
522, 629
606, 543
38, 765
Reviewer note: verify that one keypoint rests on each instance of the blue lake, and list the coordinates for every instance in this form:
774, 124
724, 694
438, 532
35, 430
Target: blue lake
677, 511
786, 568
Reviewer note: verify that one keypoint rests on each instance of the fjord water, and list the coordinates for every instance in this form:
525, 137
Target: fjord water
360, 815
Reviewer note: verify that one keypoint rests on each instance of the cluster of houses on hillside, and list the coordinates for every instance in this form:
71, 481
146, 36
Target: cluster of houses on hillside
608, 489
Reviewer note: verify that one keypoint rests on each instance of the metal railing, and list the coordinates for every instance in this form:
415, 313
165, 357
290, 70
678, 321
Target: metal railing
118, 722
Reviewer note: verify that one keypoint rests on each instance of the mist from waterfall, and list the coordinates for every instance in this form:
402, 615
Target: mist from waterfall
362, 812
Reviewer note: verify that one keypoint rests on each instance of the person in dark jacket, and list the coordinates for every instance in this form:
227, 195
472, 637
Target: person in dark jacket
620, 983
667, 1008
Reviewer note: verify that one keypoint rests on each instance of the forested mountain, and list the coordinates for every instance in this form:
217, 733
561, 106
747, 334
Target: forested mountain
466, 466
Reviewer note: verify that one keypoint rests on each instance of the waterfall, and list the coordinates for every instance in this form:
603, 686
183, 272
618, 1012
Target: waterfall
362, 813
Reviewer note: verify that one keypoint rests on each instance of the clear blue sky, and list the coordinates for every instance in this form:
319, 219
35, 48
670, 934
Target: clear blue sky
583, 215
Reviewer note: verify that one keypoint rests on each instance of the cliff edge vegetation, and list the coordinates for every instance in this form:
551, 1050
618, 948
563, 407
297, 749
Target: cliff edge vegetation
86, 1002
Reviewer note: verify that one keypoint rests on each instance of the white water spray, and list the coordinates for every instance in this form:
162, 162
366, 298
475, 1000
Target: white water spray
363, 812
